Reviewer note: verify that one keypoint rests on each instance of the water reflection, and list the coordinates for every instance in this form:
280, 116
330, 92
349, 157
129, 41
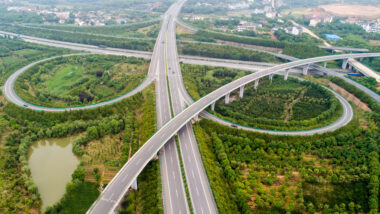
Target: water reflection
52, 162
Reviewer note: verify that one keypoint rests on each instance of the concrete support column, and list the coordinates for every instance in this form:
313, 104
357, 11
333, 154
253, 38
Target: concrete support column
227, 98
196, 117
270, 77
213, 107
241, 92
345, 63
349, 67
286, 74
325, 64
256, 83
134, 184
305, 70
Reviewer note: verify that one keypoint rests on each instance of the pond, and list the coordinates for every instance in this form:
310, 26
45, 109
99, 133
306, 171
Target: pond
52, 162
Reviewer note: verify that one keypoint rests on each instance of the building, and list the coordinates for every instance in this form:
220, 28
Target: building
332, 37
314, 22
294, 30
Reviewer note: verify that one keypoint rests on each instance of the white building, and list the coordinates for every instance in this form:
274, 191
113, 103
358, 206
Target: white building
294, 30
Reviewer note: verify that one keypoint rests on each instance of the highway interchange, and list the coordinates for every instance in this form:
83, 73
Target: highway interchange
165, 70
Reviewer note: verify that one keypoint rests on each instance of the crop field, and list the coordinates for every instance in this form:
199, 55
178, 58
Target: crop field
80, 80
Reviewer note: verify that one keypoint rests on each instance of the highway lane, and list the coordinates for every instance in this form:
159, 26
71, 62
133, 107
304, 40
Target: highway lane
173, 189
174, 194
200, 194
115, 190
175, 200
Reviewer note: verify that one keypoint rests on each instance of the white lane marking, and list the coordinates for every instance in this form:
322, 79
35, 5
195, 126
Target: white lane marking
196, 163
196, 188
176, 192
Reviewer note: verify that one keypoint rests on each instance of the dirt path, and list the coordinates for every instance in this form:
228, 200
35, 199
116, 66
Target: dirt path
290, 106
311, 33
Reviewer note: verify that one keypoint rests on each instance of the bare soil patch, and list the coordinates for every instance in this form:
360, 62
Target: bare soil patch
184, 30
353, 10
350, 97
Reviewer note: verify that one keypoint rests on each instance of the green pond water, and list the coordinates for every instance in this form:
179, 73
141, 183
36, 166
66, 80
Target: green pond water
52, 162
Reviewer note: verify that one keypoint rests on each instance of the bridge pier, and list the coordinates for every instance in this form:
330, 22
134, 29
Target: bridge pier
155, 157
196, 117
134, 184
325, 64
305, 69
286, 74
270, 77
241, 92
345, 62
227, 98
349, 67
213, 106
256, 83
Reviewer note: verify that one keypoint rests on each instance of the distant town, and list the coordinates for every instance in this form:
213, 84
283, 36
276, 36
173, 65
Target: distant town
81, 18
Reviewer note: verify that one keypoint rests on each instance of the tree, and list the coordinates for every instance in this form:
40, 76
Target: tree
79, 174
92, 133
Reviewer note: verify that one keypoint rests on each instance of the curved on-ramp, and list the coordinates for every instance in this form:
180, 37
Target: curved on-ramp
12, 96
120, 184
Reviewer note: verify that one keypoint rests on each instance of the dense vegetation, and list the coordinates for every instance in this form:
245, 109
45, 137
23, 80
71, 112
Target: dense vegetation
224, 52
132, 119
123, 127
368, 82
113, 30
300, 47
257, 173
15, 54
134, 44
277, 104
80, 80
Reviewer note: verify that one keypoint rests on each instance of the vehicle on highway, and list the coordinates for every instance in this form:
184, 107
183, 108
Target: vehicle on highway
26, 106
233, 126
102, 46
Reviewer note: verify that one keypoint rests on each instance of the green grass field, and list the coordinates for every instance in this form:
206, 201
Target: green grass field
64, 78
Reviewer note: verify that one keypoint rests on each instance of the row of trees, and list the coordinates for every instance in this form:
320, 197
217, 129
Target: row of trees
224, 52
133, 44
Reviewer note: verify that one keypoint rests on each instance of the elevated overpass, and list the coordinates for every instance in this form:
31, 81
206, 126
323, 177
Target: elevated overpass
120, 184
351, 50
355, 65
